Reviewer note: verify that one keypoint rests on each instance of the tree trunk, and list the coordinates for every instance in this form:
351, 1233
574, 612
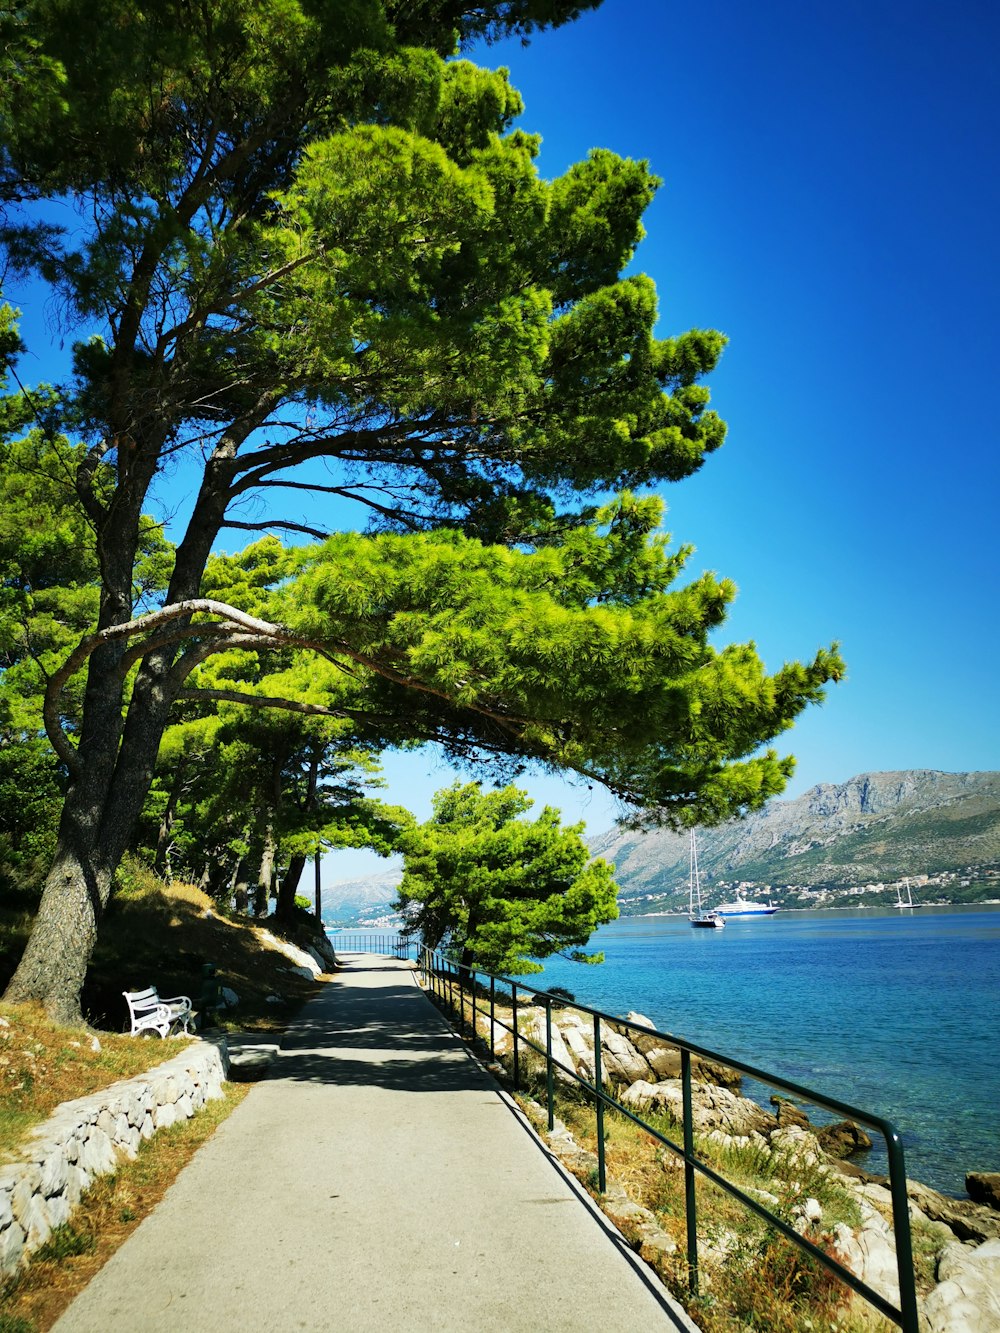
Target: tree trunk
164, 841
285, 906
238, 887
265, 875
54, 964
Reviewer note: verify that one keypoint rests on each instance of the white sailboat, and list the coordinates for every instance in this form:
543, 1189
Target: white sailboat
696, 913
907, 902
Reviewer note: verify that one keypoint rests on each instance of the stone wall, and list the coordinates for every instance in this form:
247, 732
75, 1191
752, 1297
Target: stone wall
87, 1137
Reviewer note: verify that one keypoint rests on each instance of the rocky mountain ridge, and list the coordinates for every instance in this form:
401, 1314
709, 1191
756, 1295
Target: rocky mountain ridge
363, 901
940, 829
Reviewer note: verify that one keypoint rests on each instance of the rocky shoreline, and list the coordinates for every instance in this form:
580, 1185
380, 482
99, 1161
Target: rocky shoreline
962, 1235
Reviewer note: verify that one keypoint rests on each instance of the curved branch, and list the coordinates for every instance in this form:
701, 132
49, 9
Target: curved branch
89, 644
179, 635
263, 701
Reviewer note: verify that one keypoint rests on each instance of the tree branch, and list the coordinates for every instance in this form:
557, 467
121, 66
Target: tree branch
277, 523
263, 701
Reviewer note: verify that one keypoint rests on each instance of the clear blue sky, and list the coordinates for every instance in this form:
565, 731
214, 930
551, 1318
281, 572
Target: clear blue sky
830, 201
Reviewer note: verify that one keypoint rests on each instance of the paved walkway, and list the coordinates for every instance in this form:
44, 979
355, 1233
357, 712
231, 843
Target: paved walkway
377, 1180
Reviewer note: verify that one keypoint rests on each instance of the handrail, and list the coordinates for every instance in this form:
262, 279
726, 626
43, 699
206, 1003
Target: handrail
390, 943
440, 975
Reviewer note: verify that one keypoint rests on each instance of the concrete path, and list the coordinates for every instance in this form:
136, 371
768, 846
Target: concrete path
377, 1180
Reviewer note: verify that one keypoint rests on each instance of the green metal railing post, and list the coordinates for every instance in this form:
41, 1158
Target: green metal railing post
550, 1090
444, 973
513, 1006
602, 1178
690, 1203
901, 1228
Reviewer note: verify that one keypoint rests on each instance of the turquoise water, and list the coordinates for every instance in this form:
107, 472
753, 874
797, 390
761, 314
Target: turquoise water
893, 1012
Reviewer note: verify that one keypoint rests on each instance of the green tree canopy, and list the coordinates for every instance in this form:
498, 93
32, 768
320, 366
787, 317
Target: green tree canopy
312, 253
500, 890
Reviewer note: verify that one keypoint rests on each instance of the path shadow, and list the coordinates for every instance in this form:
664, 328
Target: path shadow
452, 1071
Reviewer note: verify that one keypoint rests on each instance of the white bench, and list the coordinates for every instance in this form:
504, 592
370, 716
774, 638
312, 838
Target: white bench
151, 1014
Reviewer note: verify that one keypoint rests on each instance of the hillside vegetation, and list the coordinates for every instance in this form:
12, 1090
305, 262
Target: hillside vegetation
155, 935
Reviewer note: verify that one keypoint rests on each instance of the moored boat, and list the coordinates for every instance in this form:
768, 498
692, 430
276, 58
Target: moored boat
741, 906
697, 915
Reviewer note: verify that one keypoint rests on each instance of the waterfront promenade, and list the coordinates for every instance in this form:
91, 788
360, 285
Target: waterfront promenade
377, 1179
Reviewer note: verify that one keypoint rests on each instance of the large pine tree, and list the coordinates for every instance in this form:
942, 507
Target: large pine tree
305, 234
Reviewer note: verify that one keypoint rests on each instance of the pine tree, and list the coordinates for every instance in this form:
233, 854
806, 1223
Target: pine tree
307, 235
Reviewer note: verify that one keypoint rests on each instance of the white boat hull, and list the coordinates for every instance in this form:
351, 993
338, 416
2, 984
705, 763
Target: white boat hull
743, 909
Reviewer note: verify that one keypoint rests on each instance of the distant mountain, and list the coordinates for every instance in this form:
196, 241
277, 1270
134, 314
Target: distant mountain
839, 843
940, 829
356, 901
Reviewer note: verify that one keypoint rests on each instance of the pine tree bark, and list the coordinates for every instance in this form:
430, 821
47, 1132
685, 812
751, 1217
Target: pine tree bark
113, 763
285, 906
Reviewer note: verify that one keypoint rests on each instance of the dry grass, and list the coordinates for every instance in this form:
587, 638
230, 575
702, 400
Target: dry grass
42, 1065
111, 1209
152, 935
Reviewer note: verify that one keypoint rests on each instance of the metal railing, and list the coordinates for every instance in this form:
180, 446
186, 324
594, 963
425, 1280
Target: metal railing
389, 943
459, 987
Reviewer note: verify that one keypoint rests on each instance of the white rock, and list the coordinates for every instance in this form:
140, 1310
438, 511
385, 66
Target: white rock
581, 1051
166, 1115
967, 1299
36, 1223
622, 1061
147, 1129
77, 1181
54, 1171
98, 1155
167, 1090
95, 1045
58, 1209
811, 1210
11, 1247
6, 1212
291, 951
878, 1261
23, 1192
185, 1106
641, 1019
535, 1031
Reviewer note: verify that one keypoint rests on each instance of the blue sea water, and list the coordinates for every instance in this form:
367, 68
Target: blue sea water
893, 1012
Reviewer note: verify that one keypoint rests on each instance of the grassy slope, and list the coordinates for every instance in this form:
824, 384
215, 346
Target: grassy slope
151, 936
